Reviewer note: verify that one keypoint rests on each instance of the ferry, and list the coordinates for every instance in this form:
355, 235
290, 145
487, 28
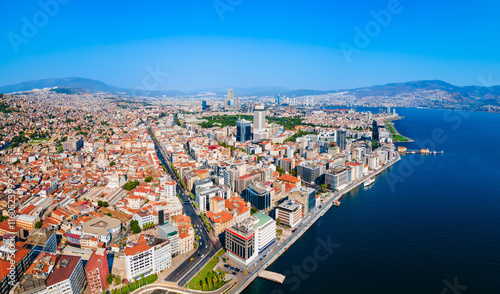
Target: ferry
368, 182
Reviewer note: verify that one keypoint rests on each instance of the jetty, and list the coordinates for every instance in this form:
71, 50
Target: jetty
272, 276
404, 150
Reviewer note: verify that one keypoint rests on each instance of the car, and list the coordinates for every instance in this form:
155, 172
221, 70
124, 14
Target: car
226, 265
203, 255
234, 274
206, 246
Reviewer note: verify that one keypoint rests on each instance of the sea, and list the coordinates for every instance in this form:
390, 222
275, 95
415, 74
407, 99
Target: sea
429, 223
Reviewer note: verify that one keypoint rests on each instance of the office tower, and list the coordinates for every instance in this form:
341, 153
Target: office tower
204, 104
243, 130
388, 110
369, 115
259, 123
341, 139
375, 131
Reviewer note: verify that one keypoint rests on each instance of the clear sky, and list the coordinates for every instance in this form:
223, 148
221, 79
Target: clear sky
245, 43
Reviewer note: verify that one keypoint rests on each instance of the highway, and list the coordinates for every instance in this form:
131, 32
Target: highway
206, 249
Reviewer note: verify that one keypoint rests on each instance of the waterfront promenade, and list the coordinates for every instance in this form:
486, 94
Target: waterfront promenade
279, 248
302, 228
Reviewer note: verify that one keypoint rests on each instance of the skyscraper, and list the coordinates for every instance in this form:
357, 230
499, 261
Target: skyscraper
341, 139
243, 130
375, 136
204, 105
259, 123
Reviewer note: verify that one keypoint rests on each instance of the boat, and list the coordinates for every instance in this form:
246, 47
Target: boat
368, 182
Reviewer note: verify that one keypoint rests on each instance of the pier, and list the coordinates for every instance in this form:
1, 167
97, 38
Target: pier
403, 150
272, 276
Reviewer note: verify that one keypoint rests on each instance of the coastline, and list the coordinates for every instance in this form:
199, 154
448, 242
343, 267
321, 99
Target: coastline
395, 134
326, 206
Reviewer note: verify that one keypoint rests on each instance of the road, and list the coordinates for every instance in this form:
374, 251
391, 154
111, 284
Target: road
206, 249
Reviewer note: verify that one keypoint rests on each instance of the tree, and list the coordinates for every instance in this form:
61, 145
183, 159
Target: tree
148, 179
38, 225
134, 225
112, 163
323, 187
203, 283
253, 210
278, 221
117, 280
215, 279
109, 279
131, 185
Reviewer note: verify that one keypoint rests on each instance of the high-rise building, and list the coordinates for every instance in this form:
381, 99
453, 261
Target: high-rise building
259, 123
204, 105
290, 213
375, 136
341, 139
151, 255
253, 235
258, 195
243, 130
97, 271
310, 172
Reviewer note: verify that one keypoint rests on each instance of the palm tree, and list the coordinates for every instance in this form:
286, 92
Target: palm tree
215, 280
202, 285
223, 276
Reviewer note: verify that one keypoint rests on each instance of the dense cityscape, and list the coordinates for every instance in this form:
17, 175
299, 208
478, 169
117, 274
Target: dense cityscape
102, 193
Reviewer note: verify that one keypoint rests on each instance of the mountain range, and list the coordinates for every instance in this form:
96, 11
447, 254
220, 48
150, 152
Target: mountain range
432, 93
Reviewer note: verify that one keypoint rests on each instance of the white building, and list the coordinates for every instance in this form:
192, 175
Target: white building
167, 186
143, 218
259, 123
289, 213
265, 231
147, 258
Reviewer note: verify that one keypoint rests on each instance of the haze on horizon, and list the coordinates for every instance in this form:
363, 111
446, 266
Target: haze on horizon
234, 43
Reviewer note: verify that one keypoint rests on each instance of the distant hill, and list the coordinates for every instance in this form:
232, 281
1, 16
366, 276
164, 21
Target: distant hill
428, 93
93, 86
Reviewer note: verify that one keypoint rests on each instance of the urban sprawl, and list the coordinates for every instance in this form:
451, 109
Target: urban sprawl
101, 193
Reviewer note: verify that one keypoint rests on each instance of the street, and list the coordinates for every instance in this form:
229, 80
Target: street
186, 271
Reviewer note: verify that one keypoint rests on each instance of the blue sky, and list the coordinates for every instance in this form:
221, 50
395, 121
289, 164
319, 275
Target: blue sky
295, 44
